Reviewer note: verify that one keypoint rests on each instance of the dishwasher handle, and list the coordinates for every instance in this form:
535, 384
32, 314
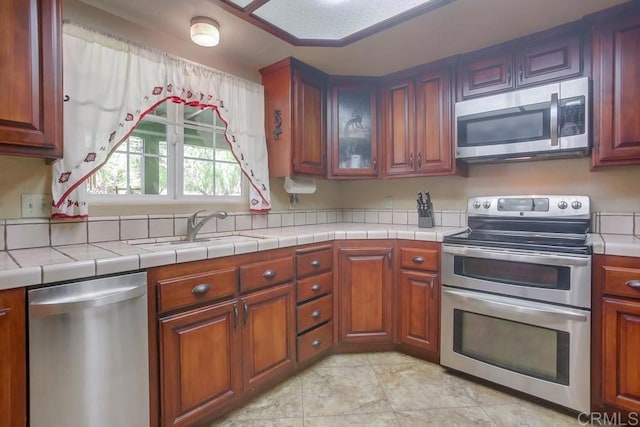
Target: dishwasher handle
115, 295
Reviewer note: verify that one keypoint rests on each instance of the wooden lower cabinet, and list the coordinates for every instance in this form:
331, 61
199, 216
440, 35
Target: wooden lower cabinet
201, 350
268, 334
13, 359
366, 290
419, 309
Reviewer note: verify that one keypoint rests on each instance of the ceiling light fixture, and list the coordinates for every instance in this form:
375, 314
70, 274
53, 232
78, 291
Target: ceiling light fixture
204, 31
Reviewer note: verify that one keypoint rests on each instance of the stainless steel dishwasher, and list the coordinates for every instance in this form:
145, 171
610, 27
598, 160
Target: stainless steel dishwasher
88, 353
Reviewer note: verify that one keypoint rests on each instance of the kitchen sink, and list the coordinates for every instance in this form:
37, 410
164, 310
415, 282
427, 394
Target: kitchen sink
204, 241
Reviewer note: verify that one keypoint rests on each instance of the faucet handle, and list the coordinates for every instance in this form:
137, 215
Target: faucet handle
195, 215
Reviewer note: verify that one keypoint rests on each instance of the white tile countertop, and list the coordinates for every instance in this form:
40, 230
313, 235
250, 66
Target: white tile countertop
33, 266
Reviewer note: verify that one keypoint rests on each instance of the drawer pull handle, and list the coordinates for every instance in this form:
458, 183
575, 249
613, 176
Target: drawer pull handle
201, 289
316, 313
315, 263
418, 259
635, 284
4, 311
316, 342
235, 317
316, 287
269, 274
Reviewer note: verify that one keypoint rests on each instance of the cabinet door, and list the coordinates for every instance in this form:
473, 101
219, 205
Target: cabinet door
13, 362
310, 134
621, 347
365, 295
485, 74
616, 90
434, 144
269, 334
556, 59
354, 147
31, 78
419, 314
399, 127
199, 366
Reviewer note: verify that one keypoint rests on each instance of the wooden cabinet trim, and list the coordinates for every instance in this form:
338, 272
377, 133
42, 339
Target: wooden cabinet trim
13, 358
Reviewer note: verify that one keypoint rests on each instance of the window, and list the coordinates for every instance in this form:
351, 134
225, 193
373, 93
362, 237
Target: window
176, 151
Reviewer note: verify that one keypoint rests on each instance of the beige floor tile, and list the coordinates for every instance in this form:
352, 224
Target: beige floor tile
342, 391
524, 414
419, 386
387, 419
278, 422
391, 358
485, 394
336, 360
284, 401
450, 417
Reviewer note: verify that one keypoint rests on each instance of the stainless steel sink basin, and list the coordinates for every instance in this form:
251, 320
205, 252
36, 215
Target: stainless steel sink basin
183, 244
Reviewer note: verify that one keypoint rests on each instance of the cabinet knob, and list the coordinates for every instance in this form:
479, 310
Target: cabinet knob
316, 342
316, 287
418, 259
269, 274
315, 263
635, 284
316, 313
201, 289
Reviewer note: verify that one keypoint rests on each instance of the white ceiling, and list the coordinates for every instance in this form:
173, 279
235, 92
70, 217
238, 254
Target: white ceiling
458, 27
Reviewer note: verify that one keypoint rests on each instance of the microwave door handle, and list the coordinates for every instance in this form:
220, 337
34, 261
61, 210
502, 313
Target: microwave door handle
553, 119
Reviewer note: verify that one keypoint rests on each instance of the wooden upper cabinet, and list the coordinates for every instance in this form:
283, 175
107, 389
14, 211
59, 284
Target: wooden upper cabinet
295, 118
31, 78
353, 137
13, 359
616, 88
540, 58
417, 125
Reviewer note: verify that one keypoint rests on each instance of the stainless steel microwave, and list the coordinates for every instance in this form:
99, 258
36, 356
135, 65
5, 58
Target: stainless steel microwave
540, 122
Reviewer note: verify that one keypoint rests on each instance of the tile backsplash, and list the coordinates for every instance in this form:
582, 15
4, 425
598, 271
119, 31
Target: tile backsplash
29, 233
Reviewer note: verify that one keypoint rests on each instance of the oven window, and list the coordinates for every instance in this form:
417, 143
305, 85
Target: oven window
514, 273
520, 347
527, 123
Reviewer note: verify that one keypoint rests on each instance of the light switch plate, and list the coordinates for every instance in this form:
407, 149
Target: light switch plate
388, 202
36, 205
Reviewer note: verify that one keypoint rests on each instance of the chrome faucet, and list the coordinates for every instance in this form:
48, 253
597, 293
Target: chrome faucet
193, 227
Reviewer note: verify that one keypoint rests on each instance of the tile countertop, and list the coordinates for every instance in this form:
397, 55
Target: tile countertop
26, 267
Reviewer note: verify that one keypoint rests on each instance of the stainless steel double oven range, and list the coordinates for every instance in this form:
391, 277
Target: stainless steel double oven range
516, 296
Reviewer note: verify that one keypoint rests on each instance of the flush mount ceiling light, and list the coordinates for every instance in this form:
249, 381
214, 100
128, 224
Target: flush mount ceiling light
204, 31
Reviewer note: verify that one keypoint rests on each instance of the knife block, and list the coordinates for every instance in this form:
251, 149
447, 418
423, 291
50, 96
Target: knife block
425, 222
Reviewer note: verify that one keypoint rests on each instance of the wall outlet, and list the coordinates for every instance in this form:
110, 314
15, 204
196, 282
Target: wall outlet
388, 202
36, 205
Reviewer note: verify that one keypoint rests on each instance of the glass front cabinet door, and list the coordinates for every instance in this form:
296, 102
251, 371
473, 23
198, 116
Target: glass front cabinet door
354, 148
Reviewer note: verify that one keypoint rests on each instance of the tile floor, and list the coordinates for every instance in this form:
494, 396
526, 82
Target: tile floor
387, 389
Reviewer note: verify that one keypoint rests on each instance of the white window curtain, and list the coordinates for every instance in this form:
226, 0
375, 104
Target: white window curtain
110, 84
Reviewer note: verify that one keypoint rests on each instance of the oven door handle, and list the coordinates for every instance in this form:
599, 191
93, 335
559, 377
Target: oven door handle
547, 259
520, 310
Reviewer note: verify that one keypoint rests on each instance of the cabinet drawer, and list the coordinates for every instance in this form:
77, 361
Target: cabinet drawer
266, 273
196, 288
314, 286
314, 262
421, 259
622, 281
314, 312
315, 342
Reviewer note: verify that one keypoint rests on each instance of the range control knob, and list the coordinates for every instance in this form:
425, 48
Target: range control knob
576, 204
486, 204
563, 205
476, 204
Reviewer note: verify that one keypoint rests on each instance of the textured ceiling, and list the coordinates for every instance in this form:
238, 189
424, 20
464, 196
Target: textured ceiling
457, 27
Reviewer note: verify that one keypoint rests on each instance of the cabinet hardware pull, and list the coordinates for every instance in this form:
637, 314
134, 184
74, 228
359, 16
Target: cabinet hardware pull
235, 317
375, 166
277, 121
509, 75
418, 259
389, 260
431, 288
316, 342
4, 311
315, 263
633, 284
521, 73
269, 274
419, 160
411, 160
201, 289
316, 287
316, 313
246, 314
